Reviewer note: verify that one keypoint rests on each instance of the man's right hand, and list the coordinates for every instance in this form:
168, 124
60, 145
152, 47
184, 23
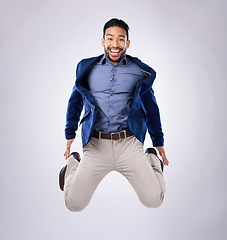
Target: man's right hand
68, 146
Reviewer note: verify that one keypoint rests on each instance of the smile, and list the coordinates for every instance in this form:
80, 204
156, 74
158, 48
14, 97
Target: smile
115, 50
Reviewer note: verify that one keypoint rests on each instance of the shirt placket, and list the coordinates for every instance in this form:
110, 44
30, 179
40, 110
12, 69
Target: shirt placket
113, 79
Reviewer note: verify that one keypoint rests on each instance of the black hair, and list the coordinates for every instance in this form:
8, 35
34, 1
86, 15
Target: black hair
114, 22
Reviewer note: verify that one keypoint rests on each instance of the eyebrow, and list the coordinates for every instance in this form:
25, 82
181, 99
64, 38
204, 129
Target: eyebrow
113, 35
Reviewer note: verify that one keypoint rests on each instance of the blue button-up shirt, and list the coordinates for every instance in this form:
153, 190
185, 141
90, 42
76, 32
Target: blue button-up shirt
113, 88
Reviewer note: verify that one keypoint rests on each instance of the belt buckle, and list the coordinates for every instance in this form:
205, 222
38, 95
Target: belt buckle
117, 133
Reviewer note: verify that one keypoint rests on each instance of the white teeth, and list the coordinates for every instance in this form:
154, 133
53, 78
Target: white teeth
115, 51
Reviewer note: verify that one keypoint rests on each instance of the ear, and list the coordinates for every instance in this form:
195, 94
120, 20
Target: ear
128, 43
103, 41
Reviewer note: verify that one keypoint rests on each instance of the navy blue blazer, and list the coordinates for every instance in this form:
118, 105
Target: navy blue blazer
143, 115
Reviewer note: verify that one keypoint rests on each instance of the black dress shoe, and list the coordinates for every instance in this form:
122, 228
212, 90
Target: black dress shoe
153, 151
62, 177
76, 155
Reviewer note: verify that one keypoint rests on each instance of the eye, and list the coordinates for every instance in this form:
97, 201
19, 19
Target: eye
121, 39
109, 39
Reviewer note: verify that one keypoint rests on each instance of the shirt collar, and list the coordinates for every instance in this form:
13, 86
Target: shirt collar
104, 60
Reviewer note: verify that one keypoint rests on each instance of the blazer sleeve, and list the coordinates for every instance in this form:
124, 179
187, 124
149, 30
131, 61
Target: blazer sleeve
75, 106
153, 120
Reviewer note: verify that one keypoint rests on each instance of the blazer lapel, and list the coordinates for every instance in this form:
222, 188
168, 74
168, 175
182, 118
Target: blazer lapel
85, 66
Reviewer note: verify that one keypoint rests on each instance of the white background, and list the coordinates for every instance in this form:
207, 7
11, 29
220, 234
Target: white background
41, 43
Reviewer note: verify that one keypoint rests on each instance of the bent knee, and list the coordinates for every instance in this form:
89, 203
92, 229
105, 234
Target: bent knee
153, 204
154, 201
75, 206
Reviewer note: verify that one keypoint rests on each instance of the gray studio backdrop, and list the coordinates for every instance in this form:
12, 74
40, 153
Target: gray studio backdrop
41, 43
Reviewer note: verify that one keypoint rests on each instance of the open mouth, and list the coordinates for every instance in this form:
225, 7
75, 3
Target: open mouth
115, 52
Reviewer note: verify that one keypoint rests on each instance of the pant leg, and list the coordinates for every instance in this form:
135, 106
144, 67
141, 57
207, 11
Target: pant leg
156, 165
81, 180
148, 182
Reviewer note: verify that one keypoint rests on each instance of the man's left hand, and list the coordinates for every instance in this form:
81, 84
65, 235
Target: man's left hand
161, 151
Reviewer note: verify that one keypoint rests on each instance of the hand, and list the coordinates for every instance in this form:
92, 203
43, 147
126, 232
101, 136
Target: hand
161, 151
68, 146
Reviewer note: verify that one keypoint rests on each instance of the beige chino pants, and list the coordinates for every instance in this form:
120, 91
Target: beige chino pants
101, 156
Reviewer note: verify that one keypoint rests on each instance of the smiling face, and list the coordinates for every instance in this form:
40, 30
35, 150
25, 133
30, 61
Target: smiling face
115, 44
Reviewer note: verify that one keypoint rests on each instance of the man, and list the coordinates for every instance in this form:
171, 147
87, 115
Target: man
115, 90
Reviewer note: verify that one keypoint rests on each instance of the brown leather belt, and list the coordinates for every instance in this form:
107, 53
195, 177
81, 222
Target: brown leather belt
112, 136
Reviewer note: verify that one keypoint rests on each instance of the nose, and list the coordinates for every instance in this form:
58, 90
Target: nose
114, 43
